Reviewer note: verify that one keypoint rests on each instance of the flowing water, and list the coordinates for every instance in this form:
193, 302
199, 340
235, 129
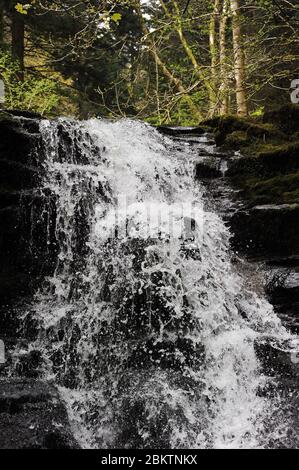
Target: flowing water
145, 324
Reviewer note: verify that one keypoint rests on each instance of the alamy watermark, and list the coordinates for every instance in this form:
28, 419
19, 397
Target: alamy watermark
295, 91
295, 352
2, 91
150, 219
2, 352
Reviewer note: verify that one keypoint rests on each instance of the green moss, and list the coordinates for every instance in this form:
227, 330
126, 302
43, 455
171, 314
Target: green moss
268, 168
285, 118
275, 150
237, 139
282, 189
252, 130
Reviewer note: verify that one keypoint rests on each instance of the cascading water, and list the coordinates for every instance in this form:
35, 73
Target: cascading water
146, 326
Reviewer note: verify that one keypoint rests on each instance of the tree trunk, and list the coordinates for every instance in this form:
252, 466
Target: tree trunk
165, 70
214, 58
224, 71
177, 23
18, 40
1, 23
239, 59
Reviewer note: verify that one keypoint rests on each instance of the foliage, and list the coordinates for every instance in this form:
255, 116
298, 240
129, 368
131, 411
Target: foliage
153, 60
34, 93
258, 112
23, 9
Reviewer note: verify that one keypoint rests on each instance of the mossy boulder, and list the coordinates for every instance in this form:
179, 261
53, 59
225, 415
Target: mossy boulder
248, 130
286, 118
279, 125
266, 170
282, 189
237, 139
265, 161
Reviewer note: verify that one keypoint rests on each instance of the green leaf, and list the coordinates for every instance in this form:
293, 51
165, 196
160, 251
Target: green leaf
23, 9
116, 17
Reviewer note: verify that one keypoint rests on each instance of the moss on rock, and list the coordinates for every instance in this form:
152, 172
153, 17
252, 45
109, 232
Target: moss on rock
267, 169
286, 118
237, 139
250, 129
282, 189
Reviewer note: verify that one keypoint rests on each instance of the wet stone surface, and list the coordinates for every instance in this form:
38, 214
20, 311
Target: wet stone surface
32, 416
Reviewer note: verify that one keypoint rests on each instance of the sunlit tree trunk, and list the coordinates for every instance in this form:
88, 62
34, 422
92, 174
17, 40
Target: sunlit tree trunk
214, 57
239, 59
224, 71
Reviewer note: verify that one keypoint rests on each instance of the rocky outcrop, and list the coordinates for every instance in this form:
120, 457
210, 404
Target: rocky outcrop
19, 176
32, 416
22, 245
181, 131
31, 413
264, 169
268, 229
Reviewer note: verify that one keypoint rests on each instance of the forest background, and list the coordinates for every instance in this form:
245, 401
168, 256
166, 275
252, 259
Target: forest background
162, 61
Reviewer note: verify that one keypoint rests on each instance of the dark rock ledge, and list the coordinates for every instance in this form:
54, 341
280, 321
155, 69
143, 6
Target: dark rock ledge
32, 416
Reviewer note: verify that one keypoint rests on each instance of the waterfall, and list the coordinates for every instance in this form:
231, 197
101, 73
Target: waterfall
146, 325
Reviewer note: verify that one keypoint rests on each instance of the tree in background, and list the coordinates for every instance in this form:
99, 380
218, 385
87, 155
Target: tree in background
239, 59
160, 60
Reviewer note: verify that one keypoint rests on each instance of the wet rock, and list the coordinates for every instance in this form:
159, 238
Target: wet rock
283, 285
32, 416
24, 114
179, 131
208, 168
23, 245
279, 360
269, 229
29, 364
15, 176
282, 289
151, 406
18, 137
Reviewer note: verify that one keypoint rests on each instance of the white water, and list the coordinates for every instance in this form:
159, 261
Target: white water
144, 333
